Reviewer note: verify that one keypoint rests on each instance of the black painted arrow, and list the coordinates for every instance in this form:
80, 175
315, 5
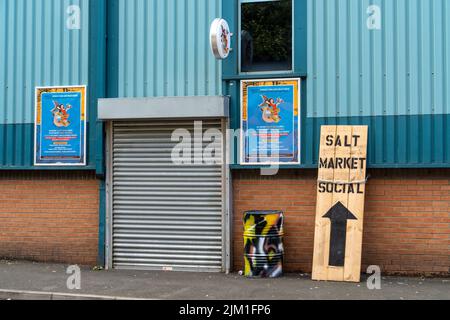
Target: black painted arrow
339, 215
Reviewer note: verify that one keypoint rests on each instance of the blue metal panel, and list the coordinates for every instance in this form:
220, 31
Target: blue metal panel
164, 48
401, 69
38, 49
395, 79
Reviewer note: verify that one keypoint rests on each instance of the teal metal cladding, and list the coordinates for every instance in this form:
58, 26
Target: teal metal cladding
163, 48
37, 48
395, 79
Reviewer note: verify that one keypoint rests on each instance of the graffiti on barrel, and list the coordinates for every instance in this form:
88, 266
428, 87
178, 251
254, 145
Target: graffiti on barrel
263, 241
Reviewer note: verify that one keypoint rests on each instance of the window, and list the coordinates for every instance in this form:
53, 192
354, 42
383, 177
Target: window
266, 35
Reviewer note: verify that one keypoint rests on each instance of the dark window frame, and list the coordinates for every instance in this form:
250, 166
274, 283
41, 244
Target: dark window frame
239, 40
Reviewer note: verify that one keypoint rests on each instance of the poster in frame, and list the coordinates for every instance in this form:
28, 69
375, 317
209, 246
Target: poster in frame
270, 122
60, 126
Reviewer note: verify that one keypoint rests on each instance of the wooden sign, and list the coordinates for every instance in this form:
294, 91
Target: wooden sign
340, 203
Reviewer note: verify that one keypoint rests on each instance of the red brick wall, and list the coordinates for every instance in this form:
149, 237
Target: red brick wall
49, 216
407, 218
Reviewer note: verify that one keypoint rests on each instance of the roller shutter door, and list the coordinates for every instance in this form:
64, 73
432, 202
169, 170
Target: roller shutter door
164, 216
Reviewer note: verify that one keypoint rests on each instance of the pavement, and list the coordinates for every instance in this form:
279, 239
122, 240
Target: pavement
34, 281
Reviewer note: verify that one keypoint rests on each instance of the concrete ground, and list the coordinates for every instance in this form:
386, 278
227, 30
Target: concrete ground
24, 280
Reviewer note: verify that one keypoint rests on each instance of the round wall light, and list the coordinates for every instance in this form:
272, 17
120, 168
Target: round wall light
220, 38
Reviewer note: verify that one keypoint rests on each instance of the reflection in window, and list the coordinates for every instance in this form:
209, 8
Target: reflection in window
266, 36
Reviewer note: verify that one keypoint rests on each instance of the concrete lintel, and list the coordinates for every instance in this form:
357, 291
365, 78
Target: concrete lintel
163, 108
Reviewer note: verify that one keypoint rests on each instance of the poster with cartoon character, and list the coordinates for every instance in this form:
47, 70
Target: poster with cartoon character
60, 126
270, 120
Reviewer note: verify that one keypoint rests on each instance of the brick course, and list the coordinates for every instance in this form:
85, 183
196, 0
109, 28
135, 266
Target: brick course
49, 216
406, 227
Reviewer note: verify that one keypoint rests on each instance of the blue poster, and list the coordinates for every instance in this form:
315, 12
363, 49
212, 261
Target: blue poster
270, 122
60, 130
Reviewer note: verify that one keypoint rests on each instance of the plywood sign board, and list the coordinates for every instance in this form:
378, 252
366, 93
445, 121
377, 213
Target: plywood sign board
340, 203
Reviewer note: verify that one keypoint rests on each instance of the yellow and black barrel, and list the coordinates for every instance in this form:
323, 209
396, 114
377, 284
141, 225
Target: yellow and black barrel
263, 244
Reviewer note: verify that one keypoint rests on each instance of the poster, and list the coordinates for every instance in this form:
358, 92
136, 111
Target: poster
60, 126
270, 121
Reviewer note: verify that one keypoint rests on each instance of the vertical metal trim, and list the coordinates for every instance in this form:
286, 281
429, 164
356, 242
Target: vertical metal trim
228, 200
97, 89
102, 223
97, 82
112, 49
109, 197
225, 229
229, 13
300, 36
111, 55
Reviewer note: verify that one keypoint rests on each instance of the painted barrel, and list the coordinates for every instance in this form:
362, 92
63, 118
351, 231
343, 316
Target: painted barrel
263, 244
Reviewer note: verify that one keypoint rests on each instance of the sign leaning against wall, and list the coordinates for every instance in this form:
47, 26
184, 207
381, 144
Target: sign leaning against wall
270, 121
60, 126
340, 203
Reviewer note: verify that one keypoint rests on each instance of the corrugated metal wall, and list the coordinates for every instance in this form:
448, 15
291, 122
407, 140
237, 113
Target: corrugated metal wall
164, 48
395, 79
36, 49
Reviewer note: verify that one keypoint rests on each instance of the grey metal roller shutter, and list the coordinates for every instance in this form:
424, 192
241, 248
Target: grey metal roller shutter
164, 216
